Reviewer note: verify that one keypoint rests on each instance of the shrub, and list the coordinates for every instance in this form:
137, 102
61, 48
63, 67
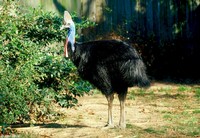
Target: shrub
33, 72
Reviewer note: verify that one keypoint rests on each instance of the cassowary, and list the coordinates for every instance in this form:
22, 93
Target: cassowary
110, 65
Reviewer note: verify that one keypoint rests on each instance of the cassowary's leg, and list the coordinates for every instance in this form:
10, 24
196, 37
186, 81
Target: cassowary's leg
110, 104
122, 98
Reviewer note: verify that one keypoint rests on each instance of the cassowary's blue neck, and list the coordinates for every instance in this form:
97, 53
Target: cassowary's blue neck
71, 35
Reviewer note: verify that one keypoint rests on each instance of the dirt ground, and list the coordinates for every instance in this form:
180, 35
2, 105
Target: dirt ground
145, 116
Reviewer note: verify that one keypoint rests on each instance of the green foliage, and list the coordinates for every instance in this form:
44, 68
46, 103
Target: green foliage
32, 72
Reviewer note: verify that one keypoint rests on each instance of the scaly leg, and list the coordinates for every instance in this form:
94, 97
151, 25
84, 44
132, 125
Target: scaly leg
122, 121
110, 104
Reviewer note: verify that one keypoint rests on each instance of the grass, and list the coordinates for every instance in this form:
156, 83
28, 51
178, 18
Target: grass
176, 108
154, 131
197, 93
181, 115
183, 88
14, 134
28, 135
185, 121
184, 124
196, 111
165, 89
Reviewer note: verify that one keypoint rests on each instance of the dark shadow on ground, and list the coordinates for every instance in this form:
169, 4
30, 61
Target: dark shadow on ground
48, 125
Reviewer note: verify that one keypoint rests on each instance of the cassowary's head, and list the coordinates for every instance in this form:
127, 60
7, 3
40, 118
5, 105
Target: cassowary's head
69, 24
67, 21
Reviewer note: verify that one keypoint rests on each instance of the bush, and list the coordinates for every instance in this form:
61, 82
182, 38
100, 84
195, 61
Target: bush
33, 72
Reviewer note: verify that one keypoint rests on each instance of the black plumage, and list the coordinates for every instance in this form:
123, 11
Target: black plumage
110, 65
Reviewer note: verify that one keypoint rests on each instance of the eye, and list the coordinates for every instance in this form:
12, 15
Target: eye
68, 23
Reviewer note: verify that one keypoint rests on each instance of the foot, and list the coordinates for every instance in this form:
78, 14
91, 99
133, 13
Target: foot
122, 126
108, 126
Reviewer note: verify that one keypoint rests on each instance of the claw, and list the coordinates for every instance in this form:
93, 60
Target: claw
108, 126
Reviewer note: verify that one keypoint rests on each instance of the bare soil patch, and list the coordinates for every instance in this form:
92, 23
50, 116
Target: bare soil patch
161, 111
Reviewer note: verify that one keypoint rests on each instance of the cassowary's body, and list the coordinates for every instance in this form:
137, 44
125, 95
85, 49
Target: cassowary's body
110, 65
